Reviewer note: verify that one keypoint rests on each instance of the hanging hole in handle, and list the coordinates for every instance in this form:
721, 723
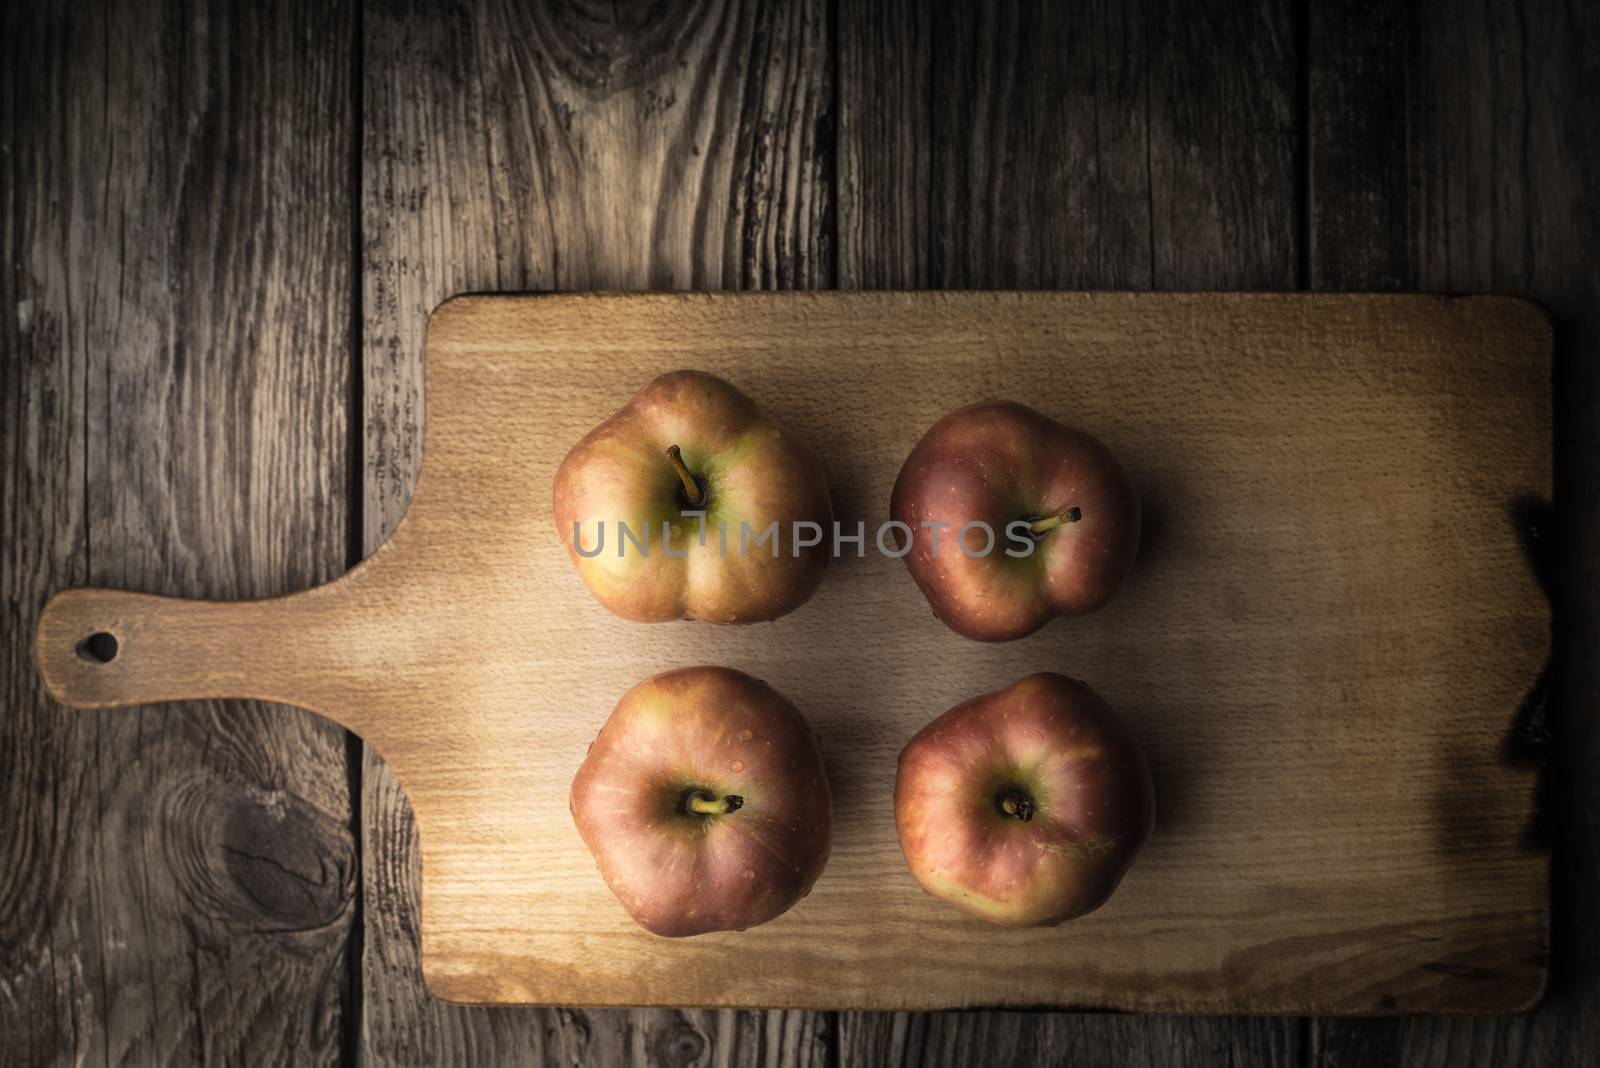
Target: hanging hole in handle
98, 648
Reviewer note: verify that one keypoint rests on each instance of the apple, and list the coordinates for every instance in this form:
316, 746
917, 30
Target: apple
727, 515
1062, 520
1025, 806
705, 803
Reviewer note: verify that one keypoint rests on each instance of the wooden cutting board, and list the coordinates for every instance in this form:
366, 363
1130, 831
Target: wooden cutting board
1323, 647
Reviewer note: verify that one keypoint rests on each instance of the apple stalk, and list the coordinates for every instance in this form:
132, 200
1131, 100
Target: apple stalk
691, 486
700, 803
1050, 522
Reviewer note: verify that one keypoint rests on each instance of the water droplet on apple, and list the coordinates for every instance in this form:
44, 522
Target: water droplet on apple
736, 766
745, 735
749, 875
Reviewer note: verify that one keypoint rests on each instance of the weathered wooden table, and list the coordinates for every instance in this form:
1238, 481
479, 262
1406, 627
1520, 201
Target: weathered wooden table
224, 227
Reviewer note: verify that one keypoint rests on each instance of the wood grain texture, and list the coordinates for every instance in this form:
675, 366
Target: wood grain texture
567, 146
1064, 1038
1021, 145
1358, 223
1143, 146
1355, 842
46, 1007
1450, 151
178, 882
885, 106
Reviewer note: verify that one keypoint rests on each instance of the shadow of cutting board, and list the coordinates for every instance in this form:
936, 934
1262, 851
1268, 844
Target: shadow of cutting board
1323, 647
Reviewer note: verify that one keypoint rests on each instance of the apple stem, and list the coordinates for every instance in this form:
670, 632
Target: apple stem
691, 488
701, 803
1018, 806
1050, 522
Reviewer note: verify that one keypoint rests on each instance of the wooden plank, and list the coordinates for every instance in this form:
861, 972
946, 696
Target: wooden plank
884, 106
44, 987
567, 147
1321, 701
1451, 149
1358, 223
177, 289
1129, 167
1037, 1038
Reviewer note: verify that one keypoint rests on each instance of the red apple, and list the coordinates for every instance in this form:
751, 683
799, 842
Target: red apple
1062, 517
704, 802
1025, 806
728, 515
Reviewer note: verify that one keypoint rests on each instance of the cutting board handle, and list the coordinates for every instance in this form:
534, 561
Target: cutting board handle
110, 649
